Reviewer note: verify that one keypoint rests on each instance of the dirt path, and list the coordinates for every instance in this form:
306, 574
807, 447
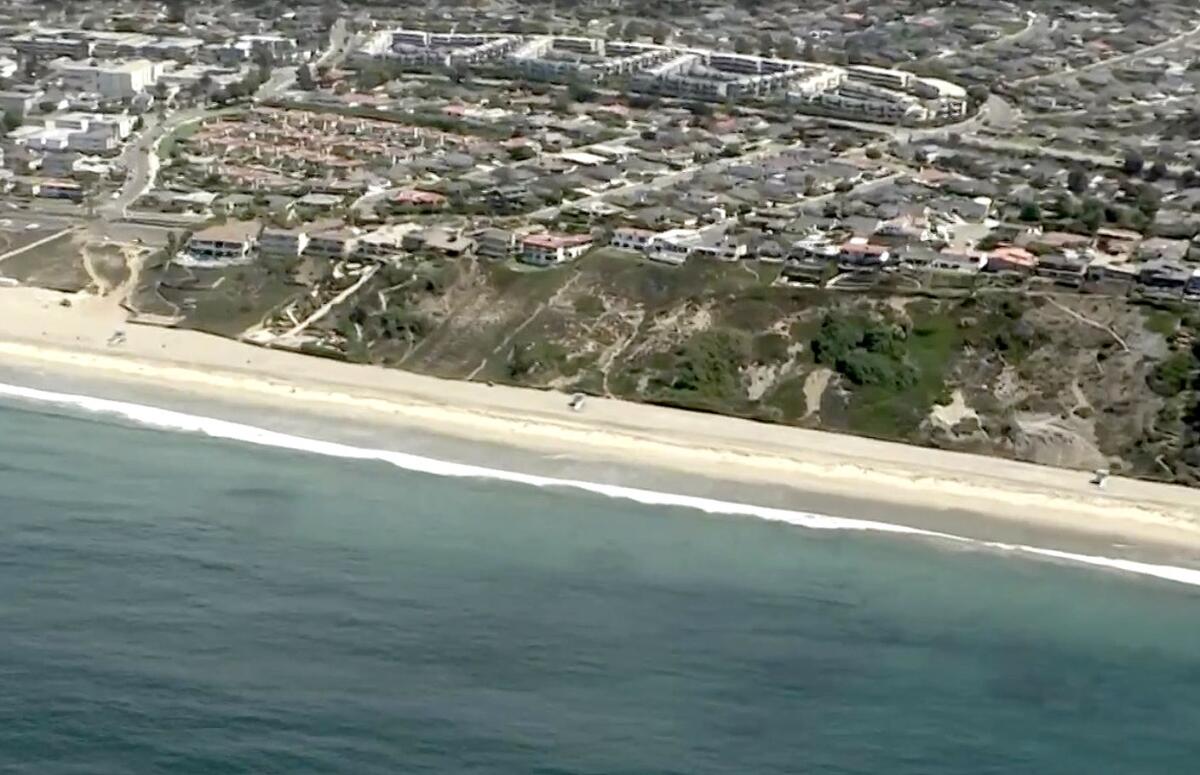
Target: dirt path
1088, 321
516, 330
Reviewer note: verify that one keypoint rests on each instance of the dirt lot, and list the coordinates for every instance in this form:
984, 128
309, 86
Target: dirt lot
56, 264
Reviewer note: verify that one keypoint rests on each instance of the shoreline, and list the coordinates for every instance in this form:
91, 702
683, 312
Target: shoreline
39, 332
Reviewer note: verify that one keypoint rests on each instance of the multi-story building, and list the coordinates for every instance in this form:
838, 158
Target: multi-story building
19, 103
628, 238
59, 189
50, 44
226, 243
550, 249
385, 243
282, 243
497, 244
898, 80
332, 244
110, 80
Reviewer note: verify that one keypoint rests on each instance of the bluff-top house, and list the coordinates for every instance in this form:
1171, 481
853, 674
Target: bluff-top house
550, 249
229, 242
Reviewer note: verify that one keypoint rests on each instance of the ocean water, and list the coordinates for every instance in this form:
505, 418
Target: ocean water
178, 603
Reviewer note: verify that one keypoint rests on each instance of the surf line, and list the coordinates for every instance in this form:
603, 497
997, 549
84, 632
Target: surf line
167, 419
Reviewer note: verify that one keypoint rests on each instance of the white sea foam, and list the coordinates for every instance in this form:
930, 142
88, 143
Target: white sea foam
180, 421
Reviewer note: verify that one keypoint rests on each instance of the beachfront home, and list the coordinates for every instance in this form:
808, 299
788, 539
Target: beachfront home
550, 249
333, 244
282, 243
1163, 280
497, 244
858, 254
630, 238
1011, 259
1068, 268
226, 243
955, 262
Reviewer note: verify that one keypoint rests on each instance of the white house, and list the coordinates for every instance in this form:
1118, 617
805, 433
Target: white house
627, 238
549, 249
227, 243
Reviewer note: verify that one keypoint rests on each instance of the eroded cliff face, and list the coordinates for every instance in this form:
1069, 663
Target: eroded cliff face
1052, 377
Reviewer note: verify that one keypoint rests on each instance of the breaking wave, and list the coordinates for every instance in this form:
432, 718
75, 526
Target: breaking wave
167, 419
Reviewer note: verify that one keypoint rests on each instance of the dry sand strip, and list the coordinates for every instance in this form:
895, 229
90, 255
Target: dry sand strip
37, 330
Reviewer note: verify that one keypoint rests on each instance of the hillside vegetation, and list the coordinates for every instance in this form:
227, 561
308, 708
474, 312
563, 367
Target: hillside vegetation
1071, 380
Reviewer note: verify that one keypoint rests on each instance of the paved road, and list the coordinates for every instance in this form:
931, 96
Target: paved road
140, 157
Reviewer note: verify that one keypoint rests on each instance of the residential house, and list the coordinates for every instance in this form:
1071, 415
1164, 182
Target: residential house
385, 243
59, 189
415, 199
226, 243
1191, 291
806, 268
1067, 268
1008, 258
630, 238
1118, 242
857, 254
1058, 240
1160, 249
334, 244
1108, 267
447, 242
956, 262
550, 249
770, 251
282, 243
321, 203
498, 244
1163, 279
672, 246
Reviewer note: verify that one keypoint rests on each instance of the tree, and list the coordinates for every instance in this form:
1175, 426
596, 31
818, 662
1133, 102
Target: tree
304, 78
11, 120
1133, 163
1077, 181
1148, 199
580, 92
1092, 213
1031, 212
977, 94
176, 11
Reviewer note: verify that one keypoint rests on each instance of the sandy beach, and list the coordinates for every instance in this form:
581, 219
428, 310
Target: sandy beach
40, 331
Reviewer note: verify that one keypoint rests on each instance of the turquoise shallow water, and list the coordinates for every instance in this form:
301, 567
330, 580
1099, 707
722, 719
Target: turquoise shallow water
178, 604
